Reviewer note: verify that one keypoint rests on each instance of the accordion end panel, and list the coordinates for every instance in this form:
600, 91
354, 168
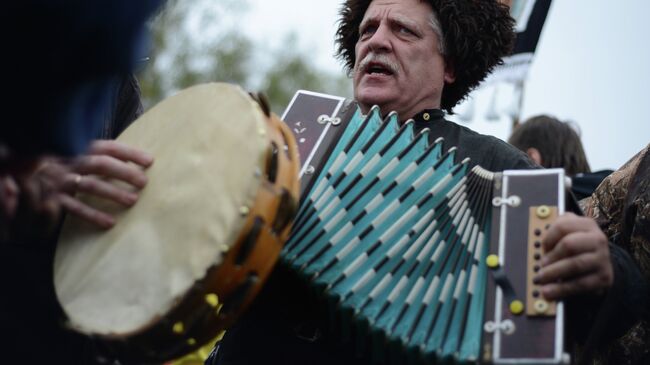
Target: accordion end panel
525, 203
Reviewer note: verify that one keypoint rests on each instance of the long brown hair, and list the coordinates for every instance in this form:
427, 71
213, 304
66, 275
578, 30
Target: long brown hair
557, 142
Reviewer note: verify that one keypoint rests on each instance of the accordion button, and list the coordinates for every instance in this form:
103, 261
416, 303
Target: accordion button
492, 261
541, 306
516, 307
543, 211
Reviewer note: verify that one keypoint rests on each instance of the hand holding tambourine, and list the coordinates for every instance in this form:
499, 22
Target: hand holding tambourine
182, 263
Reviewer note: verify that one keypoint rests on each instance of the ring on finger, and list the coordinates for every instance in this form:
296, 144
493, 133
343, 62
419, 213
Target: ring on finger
77, 181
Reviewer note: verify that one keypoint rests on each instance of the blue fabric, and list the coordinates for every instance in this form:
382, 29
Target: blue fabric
62, 58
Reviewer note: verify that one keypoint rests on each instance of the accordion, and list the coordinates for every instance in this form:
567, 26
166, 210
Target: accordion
419, 258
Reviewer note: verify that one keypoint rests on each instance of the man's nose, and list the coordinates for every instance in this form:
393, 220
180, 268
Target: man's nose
380, 41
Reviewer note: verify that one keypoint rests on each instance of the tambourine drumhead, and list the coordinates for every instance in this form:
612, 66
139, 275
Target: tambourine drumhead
118, 281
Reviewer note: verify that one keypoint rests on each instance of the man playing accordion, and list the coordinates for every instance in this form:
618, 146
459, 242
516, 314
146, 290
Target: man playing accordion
420, 58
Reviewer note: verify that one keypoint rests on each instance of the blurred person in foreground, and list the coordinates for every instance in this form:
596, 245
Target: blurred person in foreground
31, 247
65, 61
64, 70
553, 143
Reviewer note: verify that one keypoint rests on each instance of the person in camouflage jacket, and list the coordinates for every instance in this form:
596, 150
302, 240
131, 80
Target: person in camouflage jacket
621, 207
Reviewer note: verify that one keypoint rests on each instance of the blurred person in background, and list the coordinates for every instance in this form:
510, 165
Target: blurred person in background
552, 143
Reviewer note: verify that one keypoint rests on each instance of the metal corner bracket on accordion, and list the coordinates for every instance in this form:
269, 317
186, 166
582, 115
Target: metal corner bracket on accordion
419, 258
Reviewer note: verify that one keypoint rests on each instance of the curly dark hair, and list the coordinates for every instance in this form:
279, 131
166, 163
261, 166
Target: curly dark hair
477, 34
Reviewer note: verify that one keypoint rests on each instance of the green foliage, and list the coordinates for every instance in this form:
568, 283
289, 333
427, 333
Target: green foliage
291, 72
198, 41
232, 57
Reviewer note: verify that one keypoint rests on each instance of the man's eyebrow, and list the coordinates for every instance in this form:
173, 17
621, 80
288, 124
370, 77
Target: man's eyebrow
406, 22
396, 18
365, 21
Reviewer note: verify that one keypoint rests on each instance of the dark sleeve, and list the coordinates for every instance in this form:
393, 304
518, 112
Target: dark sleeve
503, 156
596, 321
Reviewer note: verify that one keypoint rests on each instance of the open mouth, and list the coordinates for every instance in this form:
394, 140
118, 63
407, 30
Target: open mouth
378, 69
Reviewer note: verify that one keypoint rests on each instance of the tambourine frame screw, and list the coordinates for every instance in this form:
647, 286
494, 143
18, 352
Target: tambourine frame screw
212, 300
178, 328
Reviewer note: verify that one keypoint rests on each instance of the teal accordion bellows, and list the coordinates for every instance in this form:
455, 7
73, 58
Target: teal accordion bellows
393, 235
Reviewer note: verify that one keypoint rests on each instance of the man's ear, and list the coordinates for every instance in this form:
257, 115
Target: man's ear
534, 155
450, 73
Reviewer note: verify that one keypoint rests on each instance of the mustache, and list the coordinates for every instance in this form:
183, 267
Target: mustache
382, 59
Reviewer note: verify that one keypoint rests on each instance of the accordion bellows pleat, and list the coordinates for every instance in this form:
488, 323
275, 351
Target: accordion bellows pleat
393, 235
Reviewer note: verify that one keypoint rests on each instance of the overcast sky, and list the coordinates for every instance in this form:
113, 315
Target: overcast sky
592, 66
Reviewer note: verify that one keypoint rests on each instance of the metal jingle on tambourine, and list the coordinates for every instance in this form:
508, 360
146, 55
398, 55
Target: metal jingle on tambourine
263, 102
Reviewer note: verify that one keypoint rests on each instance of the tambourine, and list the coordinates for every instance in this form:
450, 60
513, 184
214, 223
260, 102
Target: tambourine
181, 264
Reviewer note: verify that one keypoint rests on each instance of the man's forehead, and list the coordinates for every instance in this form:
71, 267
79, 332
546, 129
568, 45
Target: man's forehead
407, 13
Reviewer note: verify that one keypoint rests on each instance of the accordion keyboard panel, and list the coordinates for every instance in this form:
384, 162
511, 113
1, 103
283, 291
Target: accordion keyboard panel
540, 219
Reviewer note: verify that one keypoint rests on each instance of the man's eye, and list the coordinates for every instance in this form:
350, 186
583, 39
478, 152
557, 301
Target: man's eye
368, 30
407, 31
